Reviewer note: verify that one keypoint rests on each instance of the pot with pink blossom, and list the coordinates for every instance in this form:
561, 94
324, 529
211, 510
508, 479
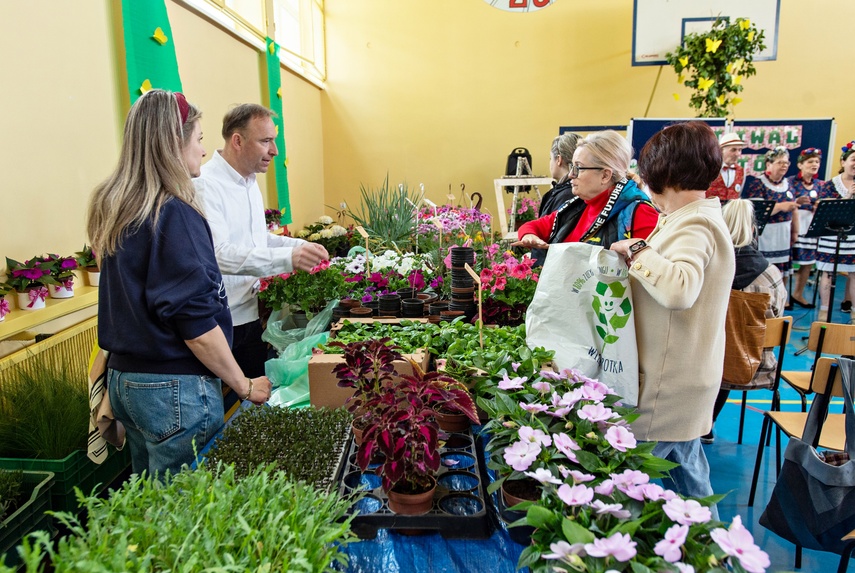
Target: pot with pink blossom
30, 280
62, 271
4, 304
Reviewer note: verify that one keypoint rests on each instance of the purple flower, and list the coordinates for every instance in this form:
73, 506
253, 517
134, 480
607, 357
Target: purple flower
68, 264
550, 375
515, 365
737, 542
566, 445
520, 455
614, 509
543, 475
512, 383
620, 438
596, 413
575, 495
620, 546
367, 298
670, 547
687, 511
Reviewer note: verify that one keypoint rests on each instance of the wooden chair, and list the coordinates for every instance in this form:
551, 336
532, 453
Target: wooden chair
831, 437
825, 338
777, 336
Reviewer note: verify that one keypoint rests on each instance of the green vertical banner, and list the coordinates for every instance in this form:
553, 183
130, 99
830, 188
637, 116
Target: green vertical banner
274, 87
149, 50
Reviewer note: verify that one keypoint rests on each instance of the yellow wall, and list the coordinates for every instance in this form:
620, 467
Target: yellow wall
440, 92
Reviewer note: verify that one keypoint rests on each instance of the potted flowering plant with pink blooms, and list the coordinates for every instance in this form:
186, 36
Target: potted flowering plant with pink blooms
4, 304
30, 280
511, 283
308, 292
62, 271
526, 211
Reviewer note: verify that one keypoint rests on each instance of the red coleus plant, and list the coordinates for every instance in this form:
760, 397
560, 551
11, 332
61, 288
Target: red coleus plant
404, 430
367, 368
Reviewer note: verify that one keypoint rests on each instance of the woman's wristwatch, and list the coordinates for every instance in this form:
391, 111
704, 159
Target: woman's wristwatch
636, 248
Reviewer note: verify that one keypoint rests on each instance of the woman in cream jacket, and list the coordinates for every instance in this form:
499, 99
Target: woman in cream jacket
681, 277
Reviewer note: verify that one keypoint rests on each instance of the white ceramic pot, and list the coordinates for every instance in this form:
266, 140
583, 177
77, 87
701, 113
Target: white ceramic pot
33, 299
62, 291
94, 277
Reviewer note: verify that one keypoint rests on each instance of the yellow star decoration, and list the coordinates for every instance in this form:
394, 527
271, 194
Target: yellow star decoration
676, 96
279, 93
705, 84
737, 80
736, 100
721, 99
729, 68
159, 36
684, 61
745, 24
751, 36
272, 49
145, 87
712, 45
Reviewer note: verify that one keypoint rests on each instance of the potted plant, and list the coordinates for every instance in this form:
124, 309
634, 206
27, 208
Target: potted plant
511, 284
526, 211
714, 63
62, 272
4, 304
307, 291
87, 261
273, 219
336, 239
30, 280
205, 519
404, 431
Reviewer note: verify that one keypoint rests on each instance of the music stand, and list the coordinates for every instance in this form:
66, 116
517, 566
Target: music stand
833, 218
762, 211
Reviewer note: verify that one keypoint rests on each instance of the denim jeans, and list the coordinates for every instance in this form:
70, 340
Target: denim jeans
692, 477
168, 417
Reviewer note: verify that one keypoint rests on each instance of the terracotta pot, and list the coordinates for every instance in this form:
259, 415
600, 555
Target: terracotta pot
357, 434
411, 503
361, 312
349, 303
451, 421
526, 487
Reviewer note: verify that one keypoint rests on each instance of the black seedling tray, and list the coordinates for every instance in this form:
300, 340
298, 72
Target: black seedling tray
461, 506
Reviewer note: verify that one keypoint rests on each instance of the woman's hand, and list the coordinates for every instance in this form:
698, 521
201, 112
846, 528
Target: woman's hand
531, 241
259, 391
785, 207
803, 200
622, 247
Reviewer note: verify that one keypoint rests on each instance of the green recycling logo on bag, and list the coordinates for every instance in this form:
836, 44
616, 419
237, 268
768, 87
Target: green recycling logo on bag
612, 309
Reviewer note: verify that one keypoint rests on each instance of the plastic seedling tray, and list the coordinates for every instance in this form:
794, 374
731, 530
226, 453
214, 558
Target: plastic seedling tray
461, 506
29, 516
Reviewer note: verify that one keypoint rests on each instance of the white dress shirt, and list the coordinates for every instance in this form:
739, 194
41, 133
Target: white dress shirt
244, 248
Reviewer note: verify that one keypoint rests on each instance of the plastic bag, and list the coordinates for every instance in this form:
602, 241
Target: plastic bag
289, 373
283, 332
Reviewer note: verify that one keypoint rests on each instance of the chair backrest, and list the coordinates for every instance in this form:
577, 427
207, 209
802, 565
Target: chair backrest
778, 331
821, 376
837, 338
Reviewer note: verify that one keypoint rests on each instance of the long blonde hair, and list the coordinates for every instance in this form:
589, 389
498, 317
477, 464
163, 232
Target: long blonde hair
150, 171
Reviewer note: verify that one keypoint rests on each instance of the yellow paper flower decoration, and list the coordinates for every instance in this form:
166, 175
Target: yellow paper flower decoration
684, 61
705, 84
272, 49
277, 129
159, 36
279, 93
145, 87
712, 45
676, 96
680, 78
737, 80
745, 24
721, 99
751, 36
736, 100
729, 68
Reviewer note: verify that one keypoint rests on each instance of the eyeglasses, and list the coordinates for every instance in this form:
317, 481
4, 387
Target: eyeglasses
575, 169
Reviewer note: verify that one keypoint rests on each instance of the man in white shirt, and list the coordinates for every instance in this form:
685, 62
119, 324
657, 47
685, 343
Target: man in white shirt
244, 248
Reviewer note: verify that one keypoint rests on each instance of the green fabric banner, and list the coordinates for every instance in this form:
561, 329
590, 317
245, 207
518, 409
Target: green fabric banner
149, 50
274, 87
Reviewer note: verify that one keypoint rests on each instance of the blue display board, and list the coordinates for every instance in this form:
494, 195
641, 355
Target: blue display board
642, 129
761, 135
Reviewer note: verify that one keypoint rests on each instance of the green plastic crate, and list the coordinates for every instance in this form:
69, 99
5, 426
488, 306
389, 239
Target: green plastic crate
75, 470
30, 516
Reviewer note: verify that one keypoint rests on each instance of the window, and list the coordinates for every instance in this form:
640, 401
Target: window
300, 32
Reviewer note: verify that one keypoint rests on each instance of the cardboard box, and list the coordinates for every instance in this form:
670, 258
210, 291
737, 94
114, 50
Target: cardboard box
323, 385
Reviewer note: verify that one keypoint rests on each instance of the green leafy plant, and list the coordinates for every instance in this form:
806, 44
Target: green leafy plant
11, 484
308, 291
304, 443
387, 214
44, 412
714, 64
86, 258
31, 274
202, 520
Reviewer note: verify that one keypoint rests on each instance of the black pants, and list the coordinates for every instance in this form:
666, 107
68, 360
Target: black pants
248, 348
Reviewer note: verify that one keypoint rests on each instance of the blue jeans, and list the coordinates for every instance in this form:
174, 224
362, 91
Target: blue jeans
168, 417
692, 477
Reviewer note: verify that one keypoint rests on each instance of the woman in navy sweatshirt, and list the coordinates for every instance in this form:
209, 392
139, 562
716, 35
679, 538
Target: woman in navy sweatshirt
162, 309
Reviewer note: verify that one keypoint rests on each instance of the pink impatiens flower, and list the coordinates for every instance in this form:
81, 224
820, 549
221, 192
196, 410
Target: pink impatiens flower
529, 434
542, 387
520, 455
534, 408
566, 445
512, 383
620, 546
596, 413
620, 438
579, 477
686, 511
614, 509
630, 477
670, 547
738, 543
575, 494
544, 476
605, 487
562, 550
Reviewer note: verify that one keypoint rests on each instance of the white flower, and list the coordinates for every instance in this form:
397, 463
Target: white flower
302, 233
338, 231
314, 236
326, 233
325, 220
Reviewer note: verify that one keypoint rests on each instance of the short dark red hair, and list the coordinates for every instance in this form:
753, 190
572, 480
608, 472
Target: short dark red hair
684, 156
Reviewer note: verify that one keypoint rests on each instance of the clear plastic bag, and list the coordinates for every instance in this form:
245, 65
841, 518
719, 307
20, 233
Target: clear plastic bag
283, 332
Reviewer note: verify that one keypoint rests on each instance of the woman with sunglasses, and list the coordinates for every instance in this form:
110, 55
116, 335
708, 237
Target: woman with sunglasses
840, 187
606, 206
778, 237
805, 184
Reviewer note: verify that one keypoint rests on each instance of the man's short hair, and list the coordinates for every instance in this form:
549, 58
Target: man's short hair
237, 118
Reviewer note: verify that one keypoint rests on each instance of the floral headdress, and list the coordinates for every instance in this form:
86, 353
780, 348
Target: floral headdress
847, 150
809, 153
775, 153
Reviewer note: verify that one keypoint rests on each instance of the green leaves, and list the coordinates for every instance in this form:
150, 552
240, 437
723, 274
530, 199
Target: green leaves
575, 533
